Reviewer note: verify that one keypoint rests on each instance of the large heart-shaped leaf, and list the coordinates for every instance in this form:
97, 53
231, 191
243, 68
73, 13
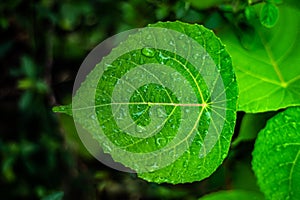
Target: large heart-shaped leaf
268, 71
162, 103
276, 156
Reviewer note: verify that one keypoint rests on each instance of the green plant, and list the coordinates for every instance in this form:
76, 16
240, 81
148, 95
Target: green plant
264, 59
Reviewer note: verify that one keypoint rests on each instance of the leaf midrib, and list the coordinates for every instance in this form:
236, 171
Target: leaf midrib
273, 63
292, 169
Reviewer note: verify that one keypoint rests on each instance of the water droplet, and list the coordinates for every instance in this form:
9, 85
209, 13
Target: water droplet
108, 65
116, 142
149, 52
282, 164
161, 113
139, 129
285, 145
106, 147
162, 59
181, 37
149, 37
224, 156
172, 43
160, 141
119, 63
205, 56
207, 114
155, 166
294, 125
196, 56
201, 155
278, 148
185, 164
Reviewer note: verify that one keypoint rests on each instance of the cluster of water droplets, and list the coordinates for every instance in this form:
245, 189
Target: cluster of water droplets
165, 46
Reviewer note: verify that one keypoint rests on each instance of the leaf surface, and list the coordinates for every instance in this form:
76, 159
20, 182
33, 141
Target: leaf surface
162, 103
268, 71
269, 15
276, 156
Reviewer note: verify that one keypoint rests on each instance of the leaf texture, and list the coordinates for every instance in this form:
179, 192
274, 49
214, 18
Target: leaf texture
276, 156
162, 103
268, 71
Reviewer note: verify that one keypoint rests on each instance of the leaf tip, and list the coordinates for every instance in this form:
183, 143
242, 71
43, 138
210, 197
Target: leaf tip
66, 109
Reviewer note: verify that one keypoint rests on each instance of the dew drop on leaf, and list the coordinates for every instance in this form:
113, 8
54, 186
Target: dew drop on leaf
139, 129
278, 148
148, 52
172, 43
161, 113
160, 141
196, 56
181, 37
176, 128
162, 59
185, 164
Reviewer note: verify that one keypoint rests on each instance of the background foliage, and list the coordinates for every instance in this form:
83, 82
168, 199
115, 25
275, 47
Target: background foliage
43, 43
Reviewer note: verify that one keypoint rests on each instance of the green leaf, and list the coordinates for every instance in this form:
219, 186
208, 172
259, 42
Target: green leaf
276, 156
267, 73
269, 15
234, 195
162, 103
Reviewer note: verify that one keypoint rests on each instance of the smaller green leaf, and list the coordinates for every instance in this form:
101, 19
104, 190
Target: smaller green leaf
269, 15
233, 195
266, 73
276, 156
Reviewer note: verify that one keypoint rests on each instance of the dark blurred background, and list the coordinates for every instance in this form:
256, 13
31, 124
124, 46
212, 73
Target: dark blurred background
42, 45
